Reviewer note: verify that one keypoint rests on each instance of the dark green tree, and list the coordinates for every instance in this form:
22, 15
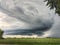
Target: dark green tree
54, 4
1, 33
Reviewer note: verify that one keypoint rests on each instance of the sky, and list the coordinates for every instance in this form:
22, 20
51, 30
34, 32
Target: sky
24, 14
7, 22
29, 14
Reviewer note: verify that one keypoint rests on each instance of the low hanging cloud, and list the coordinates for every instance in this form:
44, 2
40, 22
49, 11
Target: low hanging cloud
30, 15
55, 30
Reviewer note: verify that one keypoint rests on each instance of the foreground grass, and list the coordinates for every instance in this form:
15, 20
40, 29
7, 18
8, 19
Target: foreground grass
31, 41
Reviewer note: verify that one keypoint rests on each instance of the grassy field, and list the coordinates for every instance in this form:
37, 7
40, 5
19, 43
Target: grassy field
31, 41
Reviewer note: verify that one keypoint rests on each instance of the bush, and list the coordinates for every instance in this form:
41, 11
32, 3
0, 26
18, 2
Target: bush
1, 33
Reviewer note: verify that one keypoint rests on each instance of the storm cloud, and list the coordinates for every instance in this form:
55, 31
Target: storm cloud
30, 15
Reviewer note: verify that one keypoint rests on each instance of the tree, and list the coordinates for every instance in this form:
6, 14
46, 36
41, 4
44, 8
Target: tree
1, 33
54, 4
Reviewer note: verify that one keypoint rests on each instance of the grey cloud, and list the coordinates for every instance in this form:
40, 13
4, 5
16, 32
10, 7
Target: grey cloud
39, 19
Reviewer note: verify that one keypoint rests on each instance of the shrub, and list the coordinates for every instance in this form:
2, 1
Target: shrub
1, 33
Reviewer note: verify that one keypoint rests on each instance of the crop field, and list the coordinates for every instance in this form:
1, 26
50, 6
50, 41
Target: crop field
30, 41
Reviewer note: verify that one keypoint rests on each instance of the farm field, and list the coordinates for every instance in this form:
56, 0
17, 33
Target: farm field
30, 41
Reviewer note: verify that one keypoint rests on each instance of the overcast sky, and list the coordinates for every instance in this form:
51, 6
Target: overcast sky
20, 14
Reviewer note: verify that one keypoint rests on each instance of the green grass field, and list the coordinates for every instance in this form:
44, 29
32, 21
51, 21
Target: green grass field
31, 41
